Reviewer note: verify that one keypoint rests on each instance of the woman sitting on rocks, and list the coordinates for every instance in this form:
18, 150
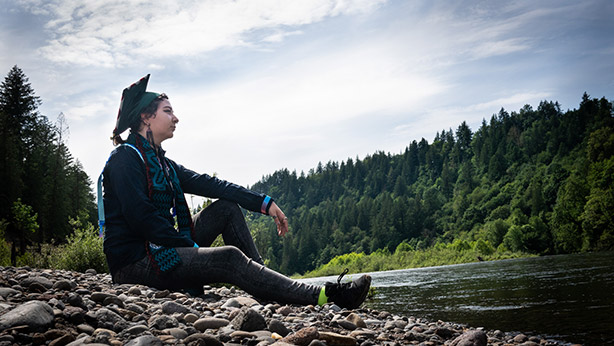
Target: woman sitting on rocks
150, 237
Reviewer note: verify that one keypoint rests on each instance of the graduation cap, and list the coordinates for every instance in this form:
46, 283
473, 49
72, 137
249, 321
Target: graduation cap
134, 99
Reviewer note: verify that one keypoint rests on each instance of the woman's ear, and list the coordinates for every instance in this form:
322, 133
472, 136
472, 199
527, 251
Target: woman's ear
144, 117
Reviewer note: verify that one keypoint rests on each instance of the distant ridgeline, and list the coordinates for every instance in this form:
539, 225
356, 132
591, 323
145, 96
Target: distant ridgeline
533, 181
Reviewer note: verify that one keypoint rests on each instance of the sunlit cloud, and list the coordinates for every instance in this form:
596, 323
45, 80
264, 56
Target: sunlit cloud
113, 33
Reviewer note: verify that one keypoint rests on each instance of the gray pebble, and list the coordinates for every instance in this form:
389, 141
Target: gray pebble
210, 323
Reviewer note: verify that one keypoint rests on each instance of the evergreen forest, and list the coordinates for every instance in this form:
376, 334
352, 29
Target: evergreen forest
533, 181
44, 190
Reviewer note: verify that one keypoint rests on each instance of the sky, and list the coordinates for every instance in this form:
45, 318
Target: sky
262, 85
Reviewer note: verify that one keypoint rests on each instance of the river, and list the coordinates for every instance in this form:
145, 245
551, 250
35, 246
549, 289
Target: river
564, 297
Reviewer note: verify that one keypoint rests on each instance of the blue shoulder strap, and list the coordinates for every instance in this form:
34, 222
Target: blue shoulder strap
100, 202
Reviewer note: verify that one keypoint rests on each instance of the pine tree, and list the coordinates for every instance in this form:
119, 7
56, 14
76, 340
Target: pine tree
36, 169
18, 114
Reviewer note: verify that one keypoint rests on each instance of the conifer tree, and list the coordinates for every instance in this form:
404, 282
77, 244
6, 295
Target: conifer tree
18, 114
37, 170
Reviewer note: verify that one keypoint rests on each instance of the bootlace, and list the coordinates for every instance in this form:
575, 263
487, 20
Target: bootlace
345, 271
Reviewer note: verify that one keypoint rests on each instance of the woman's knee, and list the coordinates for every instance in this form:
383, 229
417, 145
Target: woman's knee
229, 253
225, 206
218, 208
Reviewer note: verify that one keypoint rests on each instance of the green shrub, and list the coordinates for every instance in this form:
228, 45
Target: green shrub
403, 247
460, 251
38, 256
83, 251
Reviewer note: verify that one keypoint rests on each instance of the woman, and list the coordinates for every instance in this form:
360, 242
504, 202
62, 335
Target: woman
150, 238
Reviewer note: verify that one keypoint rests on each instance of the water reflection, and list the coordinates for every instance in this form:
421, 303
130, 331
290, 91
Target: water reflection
569, 297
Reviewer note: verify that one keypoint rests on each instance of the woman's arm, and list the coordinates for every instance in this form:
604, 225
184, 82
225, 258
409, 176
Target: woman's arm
208, 186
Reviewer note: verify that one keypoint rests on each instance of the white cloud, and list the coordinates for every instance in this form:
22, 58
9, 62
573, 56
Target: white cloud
280, 36
111, 33
321, 90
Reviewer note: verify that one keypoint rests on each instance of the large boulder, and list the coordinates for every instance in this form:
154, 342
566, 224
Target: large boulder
34, 314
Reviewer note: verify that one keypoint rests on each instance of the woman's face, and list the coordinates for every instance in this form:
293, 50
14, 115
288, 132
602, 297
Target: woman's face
163, 123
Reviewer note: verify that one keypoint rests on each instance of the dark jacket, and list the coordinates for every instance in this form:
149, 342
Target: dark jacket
131, 218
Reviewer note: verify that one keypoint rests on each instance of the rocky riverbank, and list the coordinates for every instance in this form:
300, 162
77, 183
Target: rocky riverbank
50, 307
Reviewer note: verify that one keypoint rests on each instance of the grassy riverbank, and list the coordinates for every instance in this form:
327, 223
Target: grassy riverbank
405, 257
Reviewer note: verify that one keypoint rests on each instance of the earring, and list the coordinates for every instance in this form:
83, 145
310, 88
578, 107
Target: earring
149, 135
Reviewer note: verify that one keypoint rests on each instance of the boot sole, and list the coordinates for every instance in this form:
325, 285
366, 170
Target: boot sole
364, 293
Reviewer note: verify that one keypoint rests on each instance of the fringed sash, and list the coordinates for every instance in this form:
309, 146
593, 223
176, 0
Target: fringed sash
167, 196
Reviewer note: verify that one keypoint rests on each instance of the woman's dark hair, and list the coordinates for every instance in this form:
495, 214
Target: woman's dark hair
150, 110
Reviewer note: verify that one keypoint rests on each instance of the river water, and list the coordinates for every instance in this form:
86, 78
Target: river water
565, 297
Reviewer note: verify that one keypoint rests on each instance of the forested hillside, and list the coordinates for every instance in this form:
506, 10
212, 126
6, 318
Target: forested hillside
43, 187
537, 181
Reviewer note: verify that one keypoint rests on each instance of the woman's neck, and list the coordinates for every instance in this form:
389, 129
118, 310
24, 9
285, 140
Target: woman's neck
152, 141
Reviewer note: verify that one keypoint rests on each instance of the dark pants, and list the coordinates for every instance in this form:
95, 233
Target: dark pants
237, 263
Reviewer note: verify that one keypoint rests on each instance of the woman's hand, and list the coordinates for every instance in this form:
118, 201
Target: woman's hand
280, 219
